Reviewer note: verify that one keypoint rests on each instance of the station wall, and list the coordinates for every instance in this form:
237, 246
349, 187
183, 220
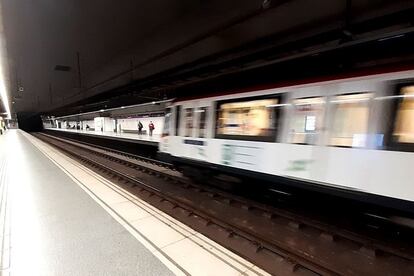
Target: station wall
132, 123
90, 123
108, 124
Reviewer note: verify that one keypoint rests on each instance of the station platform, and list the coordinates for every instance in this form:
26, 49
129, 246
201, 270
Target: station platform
130, 137
57, 217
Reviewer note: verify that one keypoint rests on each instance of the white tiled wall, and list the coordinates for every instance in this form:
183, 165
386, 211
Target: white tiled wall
132, 123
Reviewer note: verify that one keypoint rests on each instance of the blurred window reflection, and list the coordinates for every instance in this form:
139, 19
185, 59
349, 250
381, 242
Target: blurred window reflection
188, 122
404, 124
202, 125
350, 120
306, 121
248, 118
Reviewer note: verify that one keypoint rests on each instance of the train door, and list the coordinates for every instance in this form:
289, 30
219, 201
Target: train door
170, 139
304, 120
167, 131
202, 115
189, 119
189, 131
305, 116
202, 132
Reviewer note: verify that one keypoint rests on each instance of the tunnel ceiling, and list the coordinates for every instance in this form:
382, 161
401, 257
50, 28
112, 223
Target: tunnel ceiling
66, 54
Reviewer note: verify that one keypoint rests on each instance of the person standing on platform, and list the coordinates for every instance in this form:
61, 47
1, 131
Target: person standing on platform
140, 126
151, 128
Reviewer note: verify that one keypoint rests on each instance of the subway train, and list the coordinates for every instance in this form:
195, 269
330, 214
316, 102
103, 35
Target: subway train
348, 136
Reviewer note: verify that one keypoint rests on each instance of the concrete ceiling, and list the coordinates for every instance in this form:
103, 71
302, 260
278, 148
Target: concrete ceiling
102, 45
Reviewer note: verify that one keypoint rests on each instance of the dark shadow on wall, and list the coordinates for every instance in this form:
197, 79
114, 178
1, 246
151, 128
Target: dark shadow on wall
30, 121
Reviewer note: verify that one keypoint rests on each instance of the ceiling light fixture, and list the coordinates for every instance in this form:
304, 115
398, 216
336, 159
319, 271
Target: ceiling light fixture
3, 91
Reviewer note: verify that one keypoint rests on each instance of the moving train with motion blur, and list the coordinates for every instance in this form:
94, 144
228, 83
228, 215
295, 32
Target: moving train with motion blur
352, 137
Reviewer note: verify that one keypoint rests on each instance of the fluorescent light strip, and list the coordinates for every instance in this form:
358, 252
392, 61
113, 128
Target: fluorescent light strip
3, 87
3, 91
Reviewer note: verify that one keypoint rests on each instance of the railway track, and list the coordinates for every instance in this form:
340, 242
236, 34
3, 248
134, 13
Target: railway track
280, 242
122, 153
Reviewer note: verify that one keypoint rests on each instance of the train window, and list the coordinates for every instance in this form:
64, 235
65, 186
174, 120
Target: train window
167, 121
202, 123
404, 122
306, 120
350, 120
188, 122
249, 119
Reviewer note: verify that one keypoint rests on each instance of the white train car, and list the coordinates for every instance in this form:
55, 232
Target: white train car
352, 137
